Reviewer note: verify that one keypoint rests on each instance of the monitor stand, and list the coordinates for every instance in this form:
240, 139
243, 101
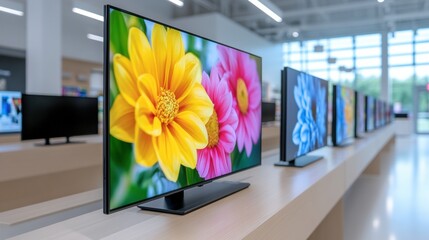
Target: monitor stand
49, 143
299, 162
346, 143
191, 199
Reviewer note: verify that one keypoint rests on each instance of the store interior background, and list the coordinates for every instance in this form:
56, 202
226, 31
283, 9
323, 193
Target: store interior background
379, 48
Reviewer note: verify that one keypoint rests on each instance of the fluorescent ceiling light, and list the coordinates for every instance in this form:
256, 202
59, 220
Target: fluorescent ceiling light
11, 11
88, 14
95, 37
177, 2
266, 9
12, 7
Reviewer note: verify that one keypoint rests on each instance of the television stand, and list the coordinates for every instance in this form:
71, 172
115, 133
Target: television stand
191, 199
49, 143
299, 162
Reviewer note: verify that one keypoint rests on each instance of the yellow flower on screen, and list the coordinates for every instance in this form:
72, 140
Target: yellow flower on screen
162, 107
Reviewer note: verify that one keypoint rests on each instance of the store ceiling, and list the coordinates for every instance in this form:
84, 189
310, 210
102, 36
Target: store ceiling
317, 18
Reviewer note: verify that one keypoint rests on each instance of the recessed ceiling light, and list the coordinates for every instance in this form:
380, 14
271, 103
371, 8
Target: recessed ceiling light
95, 37
88, 14
380, 1
295, 34
264, 8
177, 2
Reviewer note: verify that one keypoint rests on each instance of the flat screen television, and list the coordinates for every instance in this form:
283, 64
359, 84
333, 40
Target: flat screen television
268, 112
46, 117
378, 113
369, 113
180, 111
343, 115
10, 112
359, 114
304, 117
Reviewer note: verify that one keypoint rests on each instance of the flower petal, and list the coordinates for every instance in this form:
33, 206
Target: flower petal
166, 150
192, 125
187, 72
144, 150
125, 78
187, 151
145, 116
198, 102
122, 122
159, 46
148, 86
175, 51
141, 55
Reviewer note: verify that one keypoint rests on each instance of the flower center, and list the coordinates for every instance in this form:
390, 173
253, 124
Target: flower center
167, 106
212, 127
242, 96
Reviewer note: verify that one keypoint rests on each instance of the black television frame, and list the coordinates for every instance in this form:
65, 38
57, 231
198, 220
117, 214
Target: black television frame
175, 201
47, 141
268, 115
349, 140
357, 133
303, 159
367, 98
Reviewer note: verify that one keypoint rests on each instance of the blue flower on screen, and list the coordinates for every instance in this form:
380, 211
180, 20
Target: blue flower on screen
341, 118
304, 131
321, 112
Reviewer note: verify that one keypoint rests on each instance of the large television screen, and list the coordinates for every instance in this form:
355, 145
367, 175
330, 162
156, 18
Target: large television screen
304, 114
45, 117
181, 110
359, 114
343, 120
10, 112
369, 113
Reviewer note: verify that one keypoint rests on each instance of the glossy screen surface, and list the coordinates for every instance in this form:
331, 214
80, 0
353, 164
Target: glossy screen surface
10, 112
345, 113
306, 113
182, 110
370, 111
360, 113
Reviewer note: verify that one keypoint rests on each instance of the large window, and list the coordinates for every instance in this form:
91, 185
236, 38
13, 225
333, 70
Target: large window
357, 61
351, 61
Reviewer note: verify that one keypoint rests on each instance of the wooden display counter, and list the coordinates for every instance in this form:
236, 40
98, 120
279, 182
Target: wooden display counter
31, 174
281, 203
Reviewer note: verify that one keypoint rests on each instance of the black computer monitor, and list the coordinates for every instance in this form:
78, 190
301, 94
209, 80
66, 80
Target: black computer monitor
45, 117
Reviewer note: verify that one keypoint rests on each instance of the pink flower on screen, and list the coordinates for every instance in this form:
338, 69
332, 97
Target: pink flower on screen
243, 80
215, 160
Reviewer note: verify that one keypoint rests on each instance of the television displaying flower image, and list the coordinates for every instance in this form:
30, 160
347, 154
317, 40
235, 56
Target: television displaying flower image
370, 113
306, 113
343, 126
360, 114
10, 112
182, 109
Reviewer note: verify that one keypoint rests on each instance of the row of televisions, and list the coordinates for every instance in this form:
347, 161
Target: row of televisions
46, 117
304, 116
151, 140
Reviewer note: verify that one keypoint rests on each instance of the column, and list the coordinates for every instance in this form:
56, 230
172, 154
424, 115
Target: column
385, 86
43, 56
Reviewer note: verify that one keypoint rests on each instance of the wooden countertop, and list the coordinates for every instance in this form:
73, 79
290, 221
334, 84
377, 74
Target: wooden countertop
281, 203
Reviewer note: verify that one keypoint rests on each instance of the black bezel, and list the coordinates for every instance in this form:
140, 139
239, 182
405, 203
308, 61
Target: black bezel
106, 43
284, 114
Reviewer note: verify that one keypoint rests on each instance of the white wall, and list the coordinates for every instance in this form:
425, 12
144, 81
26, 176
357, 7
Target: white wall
219, 28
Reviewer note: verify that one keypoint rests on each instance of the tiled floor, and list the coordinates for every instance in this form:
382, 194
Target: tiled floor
394, 204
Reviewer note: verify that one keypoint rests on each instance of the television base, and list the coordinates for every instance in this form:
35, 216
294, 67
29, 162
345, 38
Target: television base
49, 143
191, 199
299, 162
345, 143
